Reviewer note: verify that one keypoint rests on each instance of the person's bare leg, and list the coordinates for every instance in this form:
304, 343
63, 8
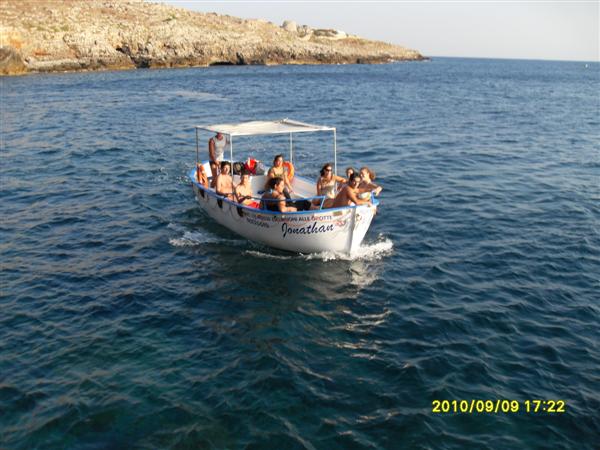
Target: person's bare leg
213, 170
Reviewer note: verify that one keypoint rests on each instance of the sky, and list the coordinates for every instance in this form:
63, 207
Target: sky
552, 30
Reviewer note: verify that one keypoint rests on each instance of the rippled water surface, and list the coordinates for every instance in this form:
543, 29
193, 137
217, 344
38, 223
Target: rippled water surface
129, 319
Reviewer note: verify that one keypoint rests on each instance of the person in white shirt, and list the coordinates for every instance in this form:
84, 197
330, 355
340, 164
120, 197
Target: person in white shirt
216, 151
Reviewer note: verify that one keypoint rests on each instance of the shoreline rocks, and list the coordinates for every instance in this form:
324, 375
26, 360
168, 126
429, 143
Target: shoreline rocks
75, 35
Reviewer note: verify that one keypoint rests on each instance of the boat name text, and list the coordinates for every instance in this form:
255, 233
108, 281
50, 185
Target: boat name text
309, 229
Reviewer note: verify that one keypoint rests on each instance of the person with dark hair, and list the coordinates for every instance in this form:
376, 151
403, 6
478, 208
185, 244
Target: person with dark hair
216, 150
278, 170
350, 171
273, 199
224, 185
326, 183
348, 195
243, 191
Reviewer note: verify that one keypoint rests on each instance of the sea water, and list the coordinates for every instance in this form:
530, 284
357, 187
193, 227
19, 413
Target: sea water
130, 319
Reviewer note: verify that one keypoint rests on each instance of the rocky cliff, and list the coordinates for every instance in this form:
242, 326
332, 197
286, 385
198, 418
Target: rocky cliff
51, 35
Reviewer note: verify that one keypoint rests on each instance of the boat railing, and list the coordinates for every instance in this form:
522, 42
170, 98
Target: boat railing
211, 192
260, 199
299, 199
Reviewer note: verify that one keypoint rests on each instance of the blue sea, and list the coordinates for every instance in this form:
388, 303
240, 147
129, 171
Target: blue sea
129, 319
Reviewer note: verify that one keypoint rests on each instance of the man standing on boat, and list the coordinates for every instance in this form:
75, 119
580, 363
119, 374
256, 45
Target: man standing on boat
216, 151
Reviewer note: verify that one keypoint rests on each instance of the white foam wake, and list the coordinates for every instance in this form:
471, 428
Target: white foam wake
197, 95
193, 238
366, 252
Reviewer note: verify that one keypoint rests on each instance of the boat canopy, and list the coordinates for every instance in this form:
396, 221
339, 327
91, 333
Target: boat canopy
257, 127
283, 126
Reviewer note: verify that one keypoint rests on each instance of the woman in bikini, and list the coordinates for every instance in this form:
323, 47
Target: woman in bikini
279, 171
326, 184
366, 186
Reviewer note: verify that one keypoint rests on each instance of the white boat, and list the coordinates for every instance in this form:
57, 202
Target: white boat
335, 229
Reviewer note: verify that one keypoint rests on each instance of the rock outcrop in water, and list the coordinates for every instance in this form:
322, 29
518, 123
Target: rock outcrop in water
49, 36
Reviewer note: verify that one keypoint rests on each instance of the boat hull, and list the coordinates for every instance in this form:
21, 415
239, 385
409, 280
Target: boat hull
336, 230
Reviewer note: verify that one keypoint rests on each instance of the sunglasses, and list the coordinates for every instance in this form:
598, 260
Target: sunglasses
327, 170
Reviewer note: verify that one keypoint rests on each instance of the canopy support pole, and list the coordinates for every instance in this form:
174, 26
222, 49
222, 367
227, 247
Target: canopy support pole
334, 152
231, 153
291, 150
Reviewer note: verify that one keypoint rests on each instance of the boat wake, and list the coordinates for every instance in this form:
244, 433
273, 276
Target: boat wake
193, 238
379, 249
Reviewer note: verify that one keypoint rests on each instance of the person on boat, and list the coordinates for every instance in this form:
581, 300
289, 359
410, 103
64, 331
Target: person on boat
216, 151
201, 177
326, 183
279, 171
367, 186
350, 171
348, 195
224, 184
273, 199
243, 191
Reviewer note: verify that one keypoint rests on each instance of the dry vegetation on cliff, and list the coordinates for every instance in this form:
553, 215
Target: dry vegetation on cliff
50, 35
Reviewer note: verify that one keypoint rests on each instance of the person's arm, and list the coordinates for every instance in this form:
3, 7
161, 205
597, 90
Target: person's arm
283, 207
319, 186
370, 187
339, 179
287, 182
240, 198
352, 196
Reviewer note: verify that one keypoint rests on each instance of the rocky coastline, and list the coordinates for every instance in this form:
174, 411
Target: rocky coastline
75, 35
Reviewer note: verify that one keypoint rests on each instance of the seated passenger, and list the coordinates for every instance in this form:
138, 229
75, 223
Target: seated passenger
348, 195
279, 171
273, 199
326, 183
243, 191
349, 171
366, 186
201, 177
224, 185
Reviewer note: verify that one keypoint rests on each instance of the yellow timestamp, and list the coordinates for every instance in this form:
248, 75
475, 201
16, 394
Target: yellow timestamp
498, 406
